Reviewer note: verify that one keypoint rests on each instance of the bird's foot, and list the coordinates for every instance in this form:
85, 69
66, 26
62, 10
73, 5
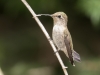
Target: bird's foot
57, 51
65, 67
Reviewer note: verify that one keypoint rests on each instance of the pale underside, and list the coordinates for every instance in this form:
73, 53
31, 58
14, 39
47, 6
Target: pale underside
58, 37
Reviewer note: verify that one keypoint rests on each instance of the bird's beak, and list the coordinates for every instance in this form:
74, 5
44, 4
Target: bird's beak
43, 15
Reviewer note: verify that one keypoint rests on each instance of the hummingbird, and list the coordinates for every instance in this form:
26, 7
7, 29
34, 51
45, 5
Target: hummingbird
61, 36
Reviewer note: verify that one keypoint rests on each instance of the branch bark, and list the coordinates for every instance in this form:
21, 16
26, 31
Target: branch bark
47, 36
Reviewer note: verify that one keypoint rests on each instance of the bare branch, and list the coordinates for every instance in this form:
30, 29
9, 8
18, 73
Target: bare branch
1, 73
46, 34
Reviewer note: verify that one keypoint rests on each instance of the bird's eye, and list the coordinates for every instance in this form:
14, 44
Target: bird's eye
59, 16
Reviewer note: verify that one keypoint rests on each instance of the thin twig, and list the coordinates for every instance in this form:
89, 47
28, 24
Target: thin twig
46, 34
1, 73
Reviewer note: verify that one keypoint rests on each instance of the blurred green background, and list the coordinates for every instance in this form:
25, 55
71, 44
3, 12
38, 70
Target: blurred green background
24, 49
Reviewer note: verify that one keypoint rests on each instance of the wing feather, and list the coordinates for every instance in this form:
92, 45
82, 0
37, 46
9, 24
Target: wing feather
68, 47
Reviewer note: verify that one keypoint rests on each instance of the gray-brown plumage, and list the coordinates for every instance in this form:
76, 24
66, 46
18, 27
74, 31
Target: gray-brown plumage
62, 38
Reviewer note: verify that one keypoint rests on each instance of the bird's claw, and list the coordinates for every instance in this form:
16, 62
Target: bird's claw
65, 67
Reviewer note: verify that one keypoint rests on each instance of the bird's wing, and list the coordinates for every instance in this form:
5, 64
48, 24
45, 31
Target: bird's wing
68, 42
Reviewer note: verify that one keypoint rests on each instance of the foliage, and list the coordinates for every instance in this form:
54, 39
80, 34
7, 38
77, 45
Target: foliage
92, 10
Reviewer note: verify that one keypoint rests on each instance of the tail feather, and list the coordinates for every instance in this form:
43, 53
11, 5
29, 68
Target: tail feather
76, 56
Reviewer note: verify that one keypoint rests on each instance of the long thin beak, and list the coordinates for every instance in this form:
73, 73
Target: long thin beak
43, 15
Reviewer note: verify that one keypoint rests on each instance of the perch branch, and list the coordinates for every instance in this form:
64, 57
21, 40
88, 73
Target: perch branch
46, 34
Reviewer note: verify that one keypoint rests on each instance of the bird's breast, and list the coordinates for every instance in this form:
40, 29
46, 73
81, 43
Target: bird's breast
58, 29
58, 36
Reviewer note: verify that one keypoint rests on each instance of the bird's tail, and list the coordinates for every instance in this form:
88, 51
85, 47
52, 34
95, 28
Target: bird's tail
76, 56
